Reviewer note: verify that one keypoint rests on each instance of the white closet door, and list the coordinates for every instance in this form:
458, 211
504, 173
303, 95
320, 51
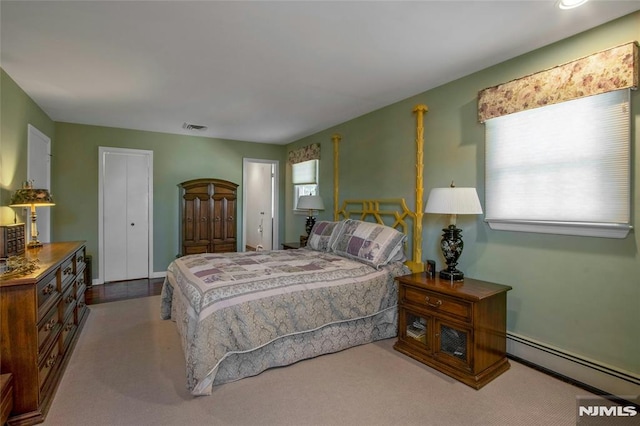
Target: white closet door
125, 216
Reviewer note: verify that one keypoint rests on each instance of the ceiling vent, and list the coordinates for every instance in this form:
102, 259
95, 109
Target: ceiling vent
189, 126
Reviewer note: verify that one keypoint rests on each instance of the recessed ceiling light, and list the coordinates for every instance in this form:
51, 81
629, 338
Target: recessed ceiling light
570, 4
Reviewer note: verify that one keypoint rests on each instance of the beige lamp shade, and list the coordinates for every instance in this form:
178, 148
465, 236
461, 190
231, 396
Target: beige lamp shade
310, 202
453, 201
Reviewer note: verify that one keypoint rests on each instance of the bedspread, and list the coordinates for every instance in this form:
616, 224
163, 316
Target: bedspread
230, 304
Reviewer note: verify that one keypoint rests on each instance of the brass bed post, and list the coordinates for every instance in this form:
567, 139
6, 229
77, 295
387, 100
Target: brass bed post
336, 139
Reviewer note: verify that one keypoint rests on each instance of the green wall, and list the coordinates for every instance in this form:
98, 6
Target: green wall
579, 294
176, 158
17, 110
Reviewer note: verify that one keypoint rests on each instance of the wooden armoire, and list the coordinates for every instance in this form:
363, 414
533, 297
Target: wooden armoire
207, 216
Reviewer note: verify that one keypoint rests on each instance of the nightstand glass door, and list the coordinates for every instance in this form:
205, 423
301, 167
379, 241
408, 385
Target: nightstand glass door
416, 330
453, 344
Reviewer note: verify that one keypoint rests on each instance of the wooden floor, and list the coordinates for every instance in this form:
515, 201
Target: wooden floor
121, 290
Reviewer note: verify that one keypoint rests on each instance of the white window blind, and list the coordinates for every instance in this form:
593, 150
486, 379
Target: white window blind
305, 173
562, 168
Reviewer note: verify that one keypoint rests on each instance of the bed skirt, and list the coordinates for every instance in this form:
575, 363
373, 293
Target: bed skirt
285, 350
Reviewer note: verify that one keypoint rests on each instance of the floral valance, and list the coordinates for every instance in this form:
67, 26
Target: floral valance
606, 71
306, 153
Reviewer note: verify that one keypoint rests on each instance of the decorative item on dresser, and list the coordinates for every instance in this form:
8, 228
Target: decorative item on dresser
32, 198
41, 315
207, 216
457, 328
11, 240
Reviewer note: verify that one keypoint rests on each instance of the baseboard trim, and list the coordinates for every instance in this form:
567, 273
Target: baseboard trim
587, 374
161, 274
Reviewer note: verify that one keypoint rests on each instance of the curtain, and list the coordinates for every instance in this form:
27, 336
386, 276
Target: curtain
602, 72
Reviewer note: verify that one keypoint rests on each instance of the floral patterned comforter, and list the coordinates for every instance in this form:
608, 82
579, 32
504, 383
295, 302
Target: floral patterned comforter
241, 313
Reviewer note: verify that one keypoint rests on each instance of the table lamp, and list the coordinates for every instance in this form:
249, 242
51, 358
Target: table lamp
32, 198
311, 203
452, 201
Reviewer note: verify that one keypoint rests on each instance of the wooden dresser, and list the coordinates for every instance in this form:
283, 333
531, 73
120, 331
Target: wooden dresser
458, 328
41, 315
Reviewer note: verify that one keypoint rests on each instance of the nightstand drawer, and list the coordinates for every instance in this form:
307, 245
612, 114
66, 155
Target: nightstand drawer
435, 302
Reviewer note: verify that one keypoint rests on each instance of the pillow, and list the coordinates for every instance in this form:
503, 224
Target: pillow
370, 243
323, 234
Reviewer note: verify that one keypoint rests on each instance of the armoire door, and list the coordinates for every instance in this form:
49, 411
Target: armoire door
196, 216
224, 217
125, 215
224, 220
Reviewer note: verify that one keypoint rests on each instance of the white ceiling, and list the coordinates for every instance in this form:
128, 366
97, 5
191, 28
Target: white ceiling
262, 71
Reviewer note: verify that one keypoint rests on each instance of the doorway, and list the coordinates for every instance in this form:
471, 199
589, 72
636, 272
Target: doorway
39, 171
260, 204
125, 214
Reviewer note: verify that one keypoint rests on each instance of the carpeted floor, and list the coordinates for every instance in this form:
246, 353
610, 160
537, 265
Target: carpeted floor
128, 369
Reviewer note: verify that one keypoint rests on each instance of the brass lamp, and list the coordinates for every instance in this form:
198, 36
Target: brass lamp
311, 203
452, 201
32, 198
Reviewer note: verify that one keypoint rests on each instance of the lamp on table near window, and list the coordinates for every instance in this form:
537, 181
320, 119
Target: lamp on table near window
452, 201
311, 203
30, 197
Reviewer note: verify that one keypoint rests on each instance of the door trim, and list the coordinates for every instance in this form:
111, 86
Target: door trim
44, 215
102, 151
276, 204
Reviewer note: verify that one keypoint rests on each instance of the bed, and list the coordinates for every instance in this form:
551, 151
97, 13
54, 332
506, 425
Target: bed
239, 314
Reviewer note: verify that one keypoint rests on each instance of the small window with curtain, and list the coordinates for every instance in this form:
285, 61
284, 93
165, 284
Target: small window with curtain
304, 179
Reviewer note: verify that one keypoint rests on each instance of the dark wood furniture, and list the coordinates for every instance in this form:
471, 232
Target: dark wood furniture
6, 397
458, 328
41, 315
303, 240
207, 216
11, 240
290, 246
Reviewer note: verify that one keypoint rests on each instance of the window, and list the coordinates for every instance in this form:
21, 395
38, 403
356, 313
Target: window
304, 179
562, 169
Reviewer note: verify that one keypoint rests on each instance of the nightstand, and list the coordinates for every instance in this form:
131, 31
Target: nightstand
457, 328
290, 246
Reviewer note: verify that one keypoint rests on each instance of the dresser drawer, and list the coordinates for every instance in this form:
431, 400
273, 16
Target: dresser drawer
224, 248
67, 273
435, 302
48, 364
80, 261
82, 308
68, 329
48, 293
68, 301
48, 329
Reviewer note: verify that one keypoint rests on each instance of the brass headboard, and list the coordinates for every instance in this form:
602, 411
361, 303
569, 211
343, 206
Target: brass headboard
394, 210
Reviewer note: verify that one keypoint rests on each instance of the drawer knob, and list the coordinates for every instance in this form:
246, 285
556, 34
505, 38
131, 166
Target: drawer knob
48, 289
48, 326
51, 361
433, 305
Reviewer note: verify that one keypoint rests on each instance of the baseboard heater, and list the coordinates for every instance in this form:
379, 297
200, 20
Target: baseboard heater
588, 374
